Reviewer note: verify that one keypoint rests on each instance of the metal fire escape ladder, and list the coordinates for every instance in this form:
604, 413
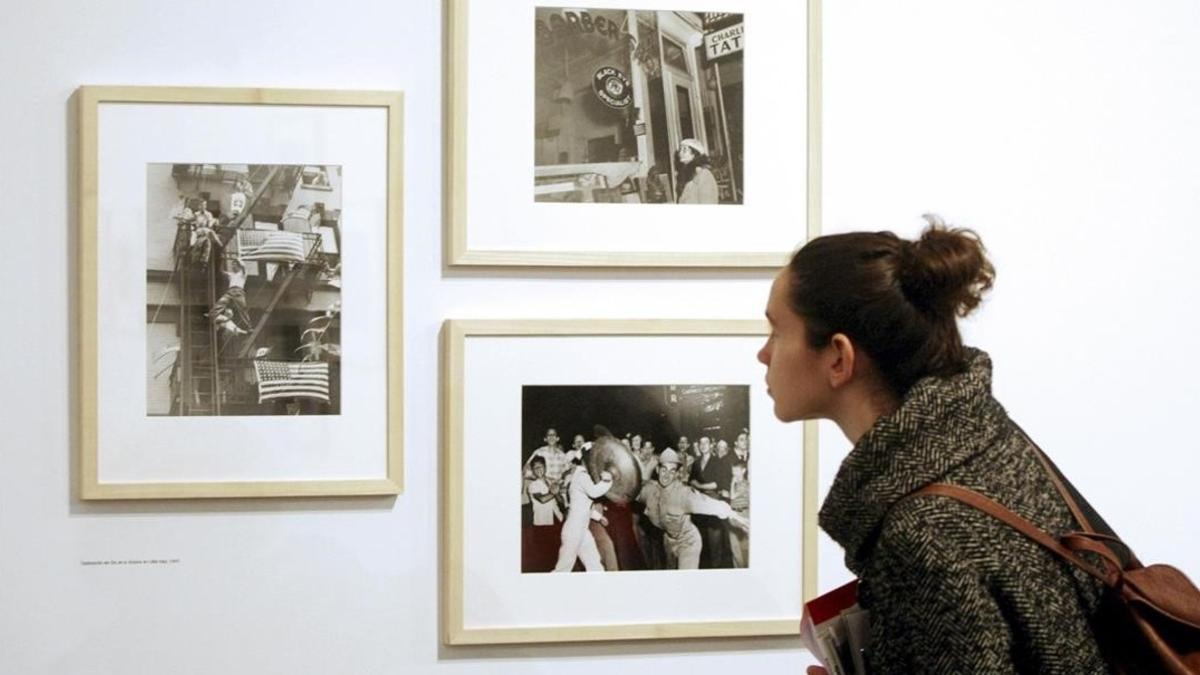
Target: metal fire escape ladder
212, 336
190, 402
186, 393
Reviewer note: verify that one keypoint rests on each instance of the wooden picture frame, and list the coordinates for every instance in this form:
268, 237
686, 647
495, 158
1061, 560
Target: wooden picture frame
491, 218
486, 584
259, 182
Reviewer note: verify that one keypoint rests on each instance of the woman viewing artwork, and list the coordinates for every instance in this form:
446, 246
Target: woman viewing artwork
864, 333
695, 174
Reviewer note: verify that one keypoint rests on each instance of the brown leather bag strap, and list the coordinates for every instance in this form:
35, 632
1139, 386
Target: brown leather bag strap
999, 512
1077, 512
1101, 537
1085, 523
1081, 541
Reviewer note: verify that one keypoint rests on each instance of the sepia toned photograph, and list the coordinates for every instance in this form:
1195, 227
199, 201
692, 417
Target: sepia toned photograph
635, 477
243, 289
212, 284
633, 458
638, 106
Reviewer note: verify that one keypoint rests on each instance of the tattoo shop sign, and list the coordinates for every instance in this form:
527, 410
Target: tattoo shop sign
725, 42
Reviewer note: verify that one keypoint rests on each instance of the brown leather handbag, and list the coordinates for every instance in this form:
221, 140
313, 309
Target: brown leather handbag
1149, 621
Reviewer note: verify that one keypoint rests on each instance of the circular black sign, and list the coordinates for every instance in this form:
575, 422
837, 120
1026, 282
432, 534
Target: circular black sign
612, 87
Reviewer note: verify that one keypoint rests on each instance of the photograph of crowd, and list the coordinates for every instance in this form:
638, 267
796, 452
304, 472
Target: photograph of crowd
635, 477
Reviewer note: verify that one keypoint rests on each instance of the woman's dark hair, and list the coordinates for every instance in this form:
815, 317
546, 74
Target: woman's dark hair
688, 170
897, 300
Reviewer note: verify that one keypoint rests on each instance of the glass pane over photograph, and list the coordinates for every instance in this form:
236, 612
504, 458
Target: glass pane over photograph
635, 106
243, 289
635, 477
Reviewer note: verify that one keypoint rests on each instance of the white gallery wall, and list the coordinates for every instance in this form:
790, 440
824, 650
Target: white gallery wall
1067, 133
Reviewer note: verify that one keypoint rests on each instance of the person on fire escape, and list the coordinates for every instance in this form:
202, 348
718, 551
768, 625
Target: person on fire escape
232, 302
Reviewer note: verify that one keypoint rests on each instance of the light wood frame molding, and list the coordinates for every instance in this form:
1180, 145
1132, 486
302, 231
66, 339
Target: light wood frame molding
88, 100
457, 251
454, 335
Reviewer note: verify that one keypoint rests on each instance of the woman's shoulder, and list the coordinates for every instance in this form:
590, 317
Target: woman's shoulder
916, 522
932, 531
929, 532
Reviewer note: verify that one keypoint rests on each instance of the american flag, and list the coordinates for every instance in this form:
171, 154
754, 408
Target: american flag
256, 245
292, 379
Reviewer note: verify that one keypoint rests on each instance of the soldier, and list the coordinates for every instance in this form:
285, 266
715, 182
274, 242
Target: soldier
670, 505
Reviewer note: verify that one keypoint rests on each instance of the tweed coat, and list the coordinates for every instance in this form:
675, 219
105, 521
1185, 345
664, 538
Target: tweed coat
949, 588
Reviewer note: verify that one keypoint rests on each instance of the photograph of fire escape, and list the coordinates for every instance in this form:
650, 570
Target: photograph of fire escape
243, 281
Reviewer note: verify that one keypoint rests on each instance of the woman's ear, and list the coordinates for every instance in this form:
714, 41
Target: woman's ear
840, 362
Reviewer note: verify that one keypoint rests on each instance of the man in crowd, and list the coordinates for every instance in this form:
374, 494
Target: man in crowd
649, 536
739, 501
741, 448
556, 461
644, 454
704, 470
708, 478
724, 462
686, 458
578, 447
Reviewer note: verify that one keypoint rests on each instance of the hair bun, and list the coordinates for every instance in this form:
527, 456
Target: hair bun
946, 271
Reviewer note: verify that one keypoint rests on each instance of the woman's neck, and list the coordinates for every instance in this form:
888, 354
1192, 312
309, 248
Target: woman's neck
860, 409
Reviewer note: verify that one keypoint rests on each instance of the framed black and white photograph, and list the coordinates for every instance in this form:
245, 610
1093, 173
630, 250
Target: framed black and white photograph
591, 464
244, 276
595, 69
241, 292
675, 494
663, 134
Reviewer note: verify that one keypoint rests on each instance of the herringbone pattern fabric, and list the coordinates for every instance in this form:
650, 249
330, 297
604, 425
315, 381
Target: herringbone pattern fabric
950, 589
